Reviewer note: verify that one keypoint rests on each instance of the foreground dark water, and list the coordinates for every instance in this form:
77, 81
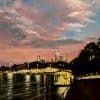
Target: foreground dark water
27, 87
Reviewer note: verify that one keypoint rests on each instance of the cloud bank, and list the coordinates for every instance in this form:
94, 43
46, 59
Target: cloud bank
44, 24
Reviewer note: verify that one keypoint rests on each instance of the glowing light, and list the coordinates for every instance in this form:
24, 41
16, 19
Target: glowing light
62, 90
63, 78
27, 78
10, 85
27, 82
37, 78
49, 69
10, 75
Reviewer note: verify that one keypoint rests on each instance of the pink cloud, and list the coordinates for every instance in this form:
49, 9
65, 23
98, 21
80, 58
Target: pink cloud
37, 22
41, 28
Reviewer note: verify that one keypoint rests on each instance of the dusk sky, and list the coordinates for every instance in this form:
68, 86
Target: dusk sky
29, 28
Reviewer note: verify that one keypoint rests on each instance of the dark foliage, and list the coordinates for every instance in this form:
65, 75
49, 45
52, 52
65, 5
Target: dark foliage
88, 60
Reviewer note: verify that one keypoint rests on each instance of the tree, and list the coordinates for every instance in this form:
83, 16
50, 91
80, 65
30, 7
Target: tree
88, 60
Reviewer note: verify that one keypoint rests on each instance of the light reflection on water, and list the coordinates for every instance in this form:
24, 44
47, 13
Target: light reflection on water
10, 85
27, 82
37, 78
25, 87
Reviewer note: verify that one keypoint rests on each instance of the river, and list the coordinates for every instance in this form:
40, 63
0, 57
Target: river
18, 86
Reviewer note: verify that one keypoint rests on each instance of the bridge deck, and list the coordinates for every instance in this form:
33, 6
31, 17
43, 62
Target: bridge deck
88, 77
60, 85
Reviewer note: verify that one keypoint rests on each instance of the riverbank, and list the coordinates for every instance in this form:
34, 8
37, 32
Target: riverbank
85, 89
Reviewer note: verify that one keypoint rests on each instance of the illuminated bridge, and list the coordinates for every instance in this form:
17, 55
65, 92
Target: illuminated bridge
48, 82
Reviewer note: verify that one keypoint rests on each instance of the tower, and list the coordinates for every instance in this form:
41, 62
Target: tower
38, 58
57, 56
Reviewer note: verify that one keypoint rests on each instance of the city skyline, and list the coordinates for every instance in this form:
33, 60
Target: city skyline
29, 28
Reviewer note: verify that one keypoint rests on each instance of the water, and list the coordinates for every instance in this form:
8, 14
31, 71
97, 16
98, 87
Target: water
28, 87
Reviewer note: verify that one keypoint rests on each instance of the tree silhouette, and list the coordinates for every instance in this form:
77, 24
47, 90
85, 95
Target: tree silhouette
62, 65
88, 60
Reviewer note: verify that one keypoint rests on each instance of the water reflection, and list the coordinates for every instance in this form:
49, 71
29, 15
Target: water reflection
62, 91
27, 82
14, 86
37, 78
10, 85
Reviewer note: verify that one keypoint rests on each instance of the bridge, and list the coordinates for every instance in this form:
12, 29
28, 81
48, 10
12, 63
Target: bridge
52, 79
91, 76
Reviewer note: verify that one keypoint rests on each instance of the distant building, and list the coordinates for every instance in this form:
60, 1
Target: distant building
58, 56
38, 58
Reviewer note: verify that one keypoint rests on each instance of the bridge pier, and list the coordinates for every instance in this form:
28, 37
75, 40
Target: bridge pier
49, 85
